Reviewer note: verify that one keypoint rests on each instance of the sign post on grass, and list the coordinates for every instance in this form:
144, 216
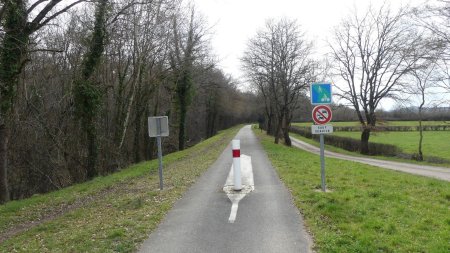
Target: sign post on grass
158, 127
321, 96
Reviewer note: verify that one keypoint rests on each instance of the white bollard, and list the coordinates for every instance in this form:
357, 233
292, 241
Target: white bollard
236, 146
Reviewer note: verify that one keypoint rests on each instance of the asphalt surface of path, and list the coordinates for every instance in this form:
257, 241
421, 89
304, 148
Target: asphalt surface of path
266, 220
422, 170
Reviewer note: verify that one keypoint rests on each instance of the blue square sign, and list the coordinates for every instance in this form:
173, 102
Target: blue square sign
321, 94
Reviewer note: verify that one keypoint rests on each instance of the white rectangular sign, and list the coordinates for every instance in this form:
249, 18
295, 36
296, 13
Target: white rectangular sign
321, 129
162, 121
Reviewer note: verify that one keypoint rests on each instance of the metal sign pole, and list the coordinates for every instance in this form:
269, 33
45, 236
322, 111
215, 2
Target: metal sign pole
158, 139
321, 95
322, 162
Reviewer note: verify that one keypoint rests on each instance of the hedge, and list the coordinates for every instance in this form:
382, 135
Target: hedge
388, 128
349, 143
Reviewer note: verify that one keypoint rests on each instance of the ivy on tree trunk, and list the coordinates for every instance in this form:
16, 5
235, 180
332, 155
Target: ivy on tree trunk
13, 51
12, 59
184, 86
87, 93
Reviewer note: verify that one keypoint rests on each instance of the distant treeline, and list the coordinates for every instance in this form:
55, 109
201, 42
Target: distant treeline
411, 113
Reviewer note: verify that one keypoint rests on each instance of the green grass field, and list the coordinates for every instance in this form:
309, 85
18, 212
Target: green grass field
435, 143
415, 123
384, 123
369, 209
379, 157
114, 213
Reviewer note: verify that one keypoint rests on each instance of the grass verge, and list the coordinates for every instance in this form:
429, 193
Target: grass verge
369, 209
114, 213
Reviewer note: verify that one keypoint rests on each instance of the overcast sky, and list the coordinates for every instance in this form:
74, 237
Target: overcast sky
233, 22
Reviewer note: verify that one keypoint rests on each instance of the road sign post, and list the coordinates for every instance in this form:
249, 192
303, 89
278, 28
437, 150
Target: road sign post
322, 163
158, 127
160, 165
321, 96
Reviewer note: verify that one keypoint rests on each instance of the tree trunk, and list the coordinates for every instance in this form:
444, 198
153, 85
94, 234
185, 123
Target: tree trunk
420, 155
4, 137
268, 118
127, 116
183, 87
212, 126
269, 124
86, 93
137, 138
278, 130
91, 167
211, 115
365, 141
182, 127
287, 139
138, 114
138, 111
12, 59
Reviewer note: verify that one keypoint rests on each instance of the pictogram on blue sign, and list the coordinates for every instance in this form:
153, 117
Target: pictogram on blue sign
321, 94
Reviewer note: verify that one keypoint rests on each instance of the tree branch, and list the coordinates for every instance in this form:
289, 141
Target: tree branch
37, 22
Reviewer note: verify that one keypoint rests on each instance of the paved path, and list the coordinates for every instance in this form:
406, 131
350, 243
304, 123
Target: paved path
266, 220
423, 170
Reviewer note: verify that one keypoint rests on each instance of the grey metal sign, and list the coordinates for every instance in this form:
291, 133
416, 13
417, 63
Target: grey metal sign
159, 127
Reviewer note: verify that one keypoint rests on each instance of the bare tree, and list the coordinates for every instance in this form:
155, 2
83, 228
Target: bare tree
84, 78
277, 61
372, 53
18, 25
87, 94
189, 48
262, 89
435, 17
424, 79
141, 41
